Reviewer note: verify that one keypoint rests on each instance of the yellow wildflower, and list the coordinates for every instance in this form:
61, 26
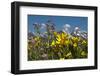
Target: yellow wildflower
84, 42
67, 42
75, 39
64, 35
36, 39
75, 44
57, 42
53, 43
55, 33
58, 37
61, 38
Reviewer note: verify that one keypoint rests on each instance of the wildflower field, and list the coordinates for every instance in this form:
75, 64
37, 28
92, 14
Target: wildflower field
56, 45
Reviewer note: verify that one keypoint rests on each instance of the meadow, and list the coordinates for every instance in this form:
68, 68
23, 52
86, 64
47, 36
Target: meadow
56, 45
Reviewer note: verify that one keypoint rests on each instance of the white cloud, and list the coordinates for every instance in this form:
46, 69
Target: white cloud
77, 28
43, 26
66, 28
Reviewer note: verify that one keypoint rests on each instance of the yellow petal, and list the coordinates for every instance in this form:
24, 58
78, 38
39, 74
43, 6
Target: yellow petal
67, 42
57, 42
55, 33
84, 42
75, 44
53, 43
58, 39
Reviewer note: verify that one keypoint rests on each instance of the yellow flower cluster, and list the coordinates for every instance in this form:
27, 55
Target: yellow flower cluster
75, 41
58, 46
61, 39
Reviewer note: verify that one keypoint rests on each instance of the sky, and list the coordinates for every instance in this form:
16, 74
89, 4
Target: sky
59, 21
